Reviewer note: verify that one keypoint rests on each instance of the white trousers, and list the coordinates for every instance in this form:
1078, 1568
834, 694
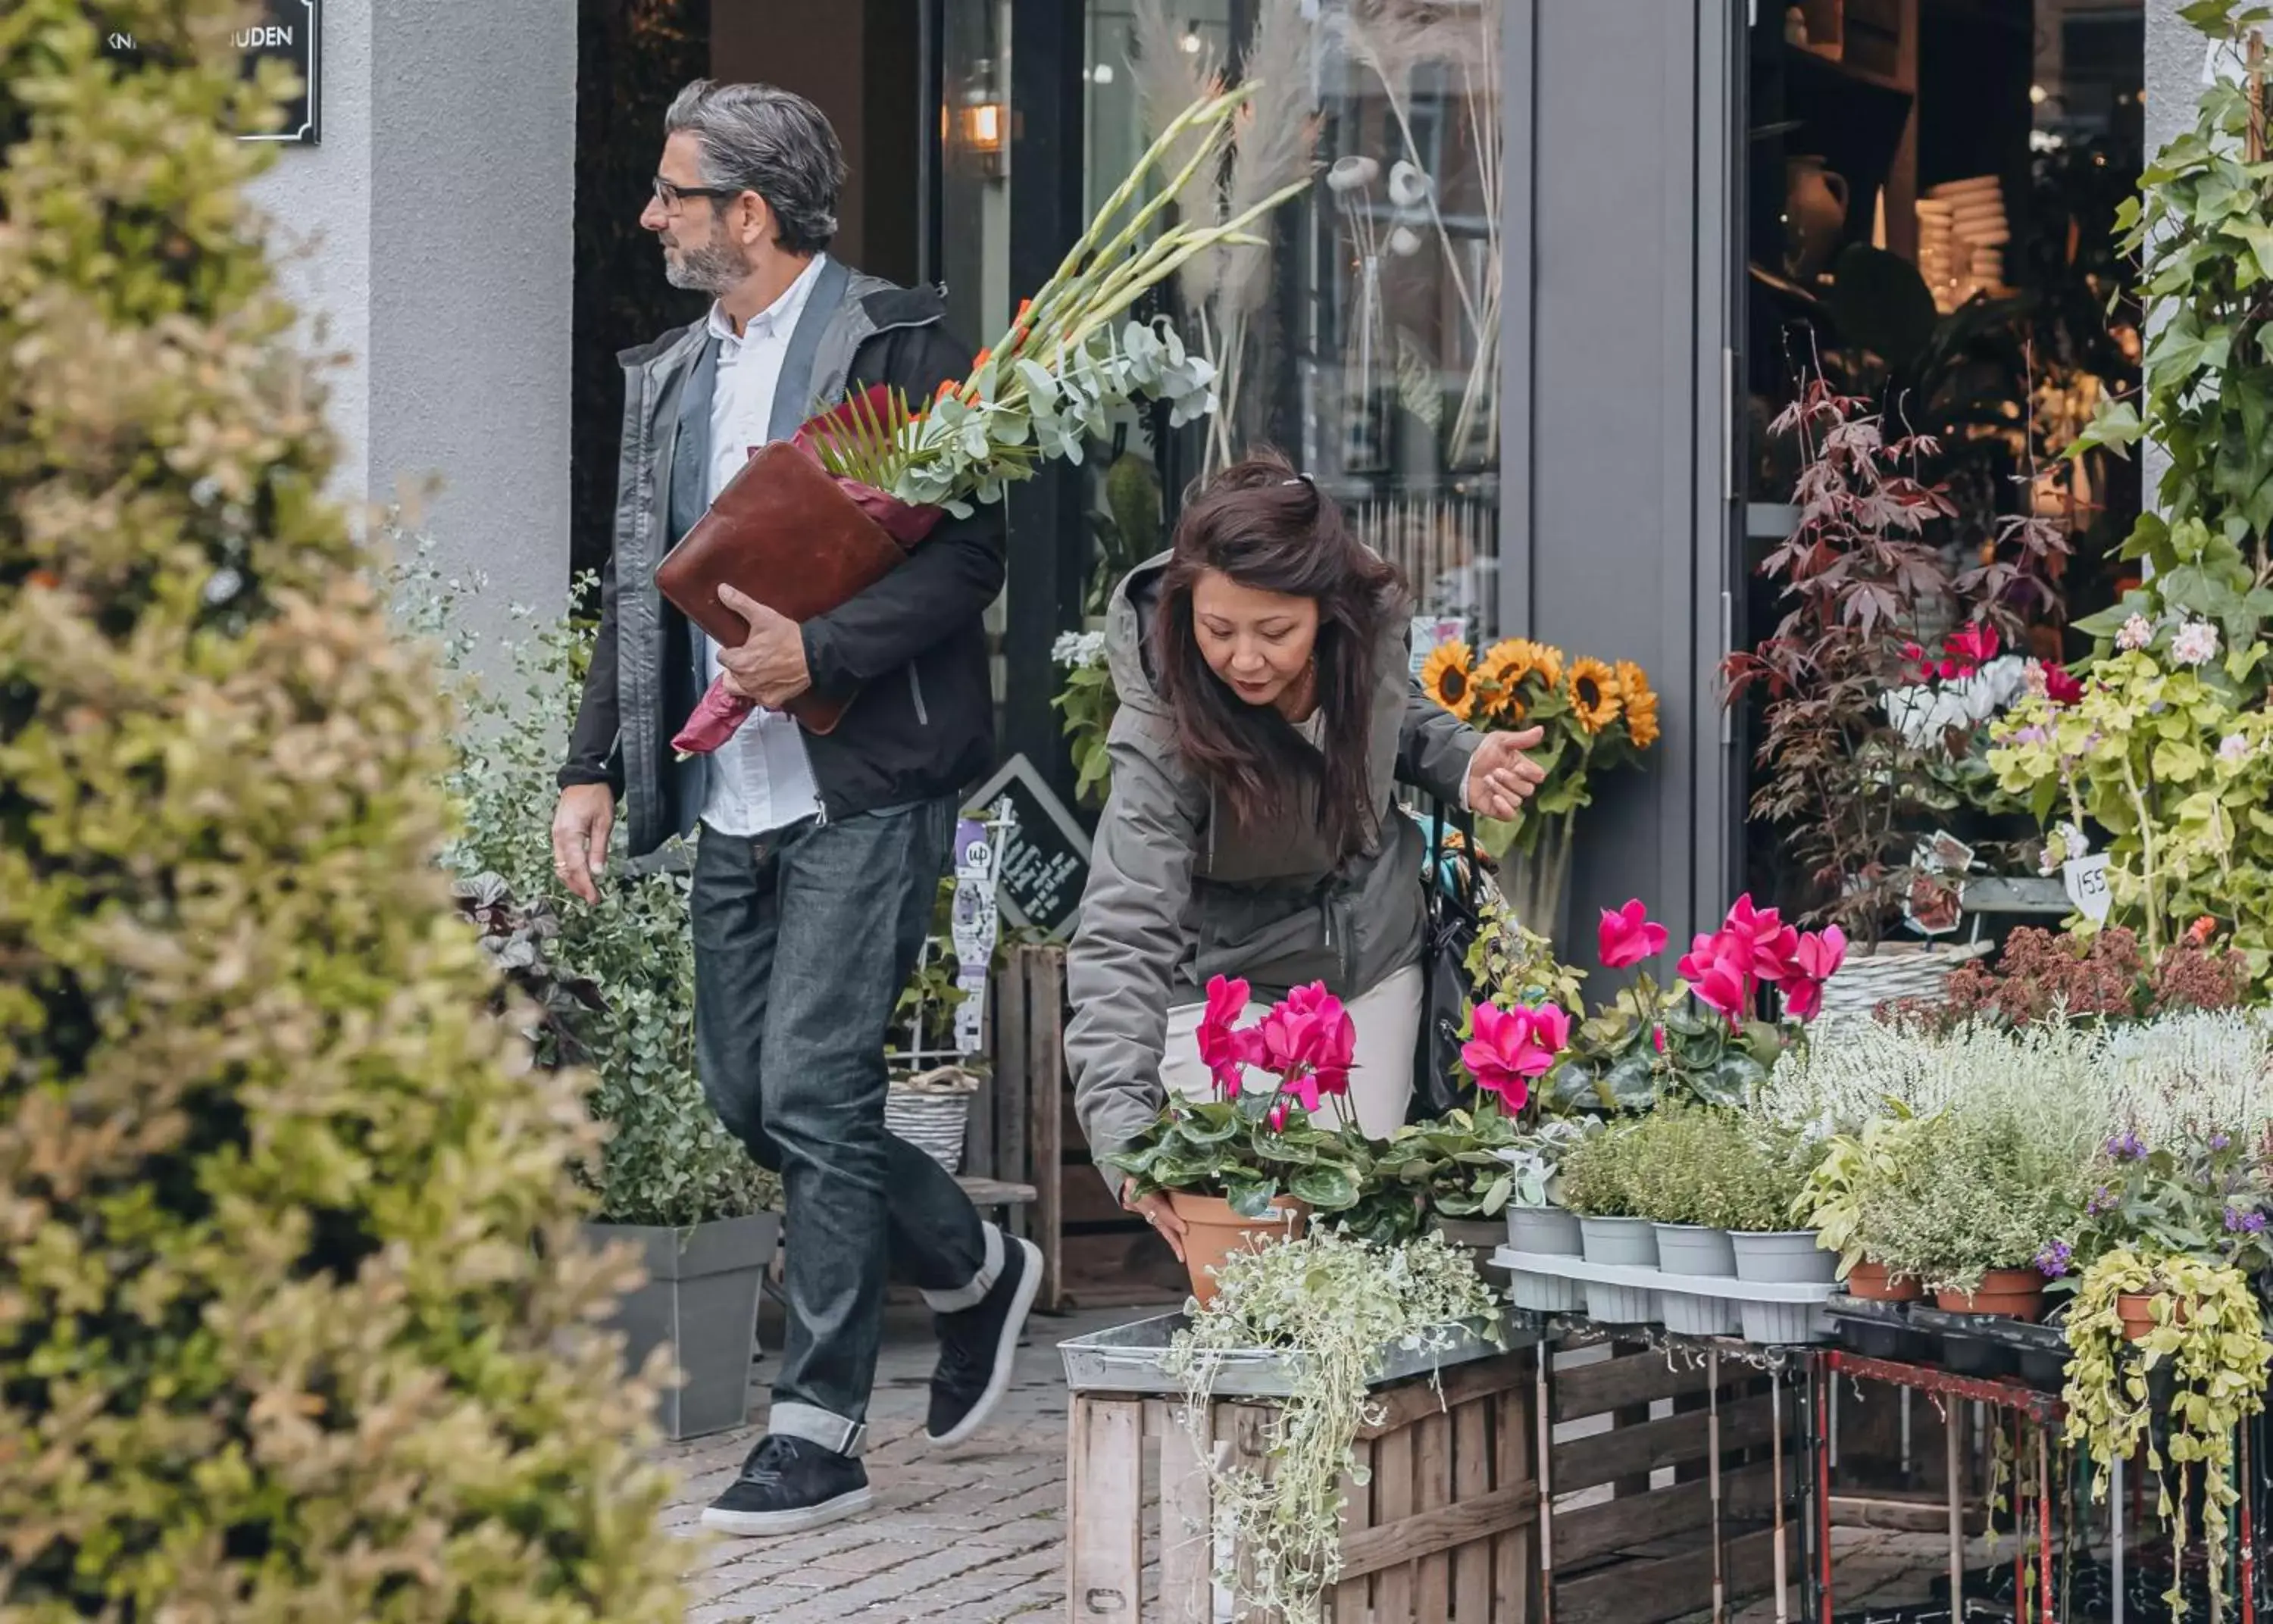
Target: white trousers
1388, 1021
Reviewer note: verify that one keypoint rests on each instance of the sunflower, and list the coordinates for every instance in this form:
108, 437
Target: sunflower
1640, 702
1547, 660
1504, 667
1594, 694
1449, 678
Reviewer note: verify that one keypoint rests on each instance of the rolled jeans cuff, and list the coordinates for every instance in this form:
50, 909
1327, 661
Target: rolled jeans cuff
971, 1295
816, 1425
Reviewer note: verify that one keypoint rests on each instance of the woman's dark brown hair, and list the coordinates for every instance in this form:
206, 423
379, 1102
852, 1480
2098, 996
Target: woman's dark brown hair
1269, 529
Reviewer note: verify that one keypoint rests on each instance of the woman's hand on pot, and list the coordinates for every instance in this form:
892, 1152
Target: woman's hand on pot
1501, 778
1156, 1211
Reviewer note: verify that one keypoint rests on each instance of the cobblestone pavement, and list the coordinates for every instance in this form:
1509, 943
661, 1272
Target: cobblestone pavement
974, 1534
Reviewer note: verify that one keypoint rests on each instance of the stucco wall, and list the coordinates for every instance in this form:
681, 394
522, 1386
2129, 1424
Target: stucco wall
319, 199
428, 238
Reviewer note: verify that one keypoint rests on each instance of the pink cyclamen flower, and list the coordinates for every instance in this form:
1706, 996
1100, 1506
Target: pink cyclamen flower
1629, 935
1309, 1040
1512, 1047
1766, 942
1277, 1117
1719, 970
1820, 953
1803, 1000
2062, 686
1968, 650
1657, 1038
1224, 1050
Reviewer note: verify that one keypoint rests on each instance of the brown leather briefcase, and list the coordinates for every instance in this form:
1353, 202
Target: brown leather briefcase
782, 532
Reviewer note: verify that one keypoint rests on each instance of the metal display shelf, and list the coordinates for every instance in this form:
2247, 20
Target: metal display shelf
1130, 1359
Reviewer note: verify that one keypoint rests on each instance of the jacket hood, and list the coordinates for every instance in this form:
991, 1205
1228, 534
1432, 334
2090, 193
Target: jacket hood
1128, 628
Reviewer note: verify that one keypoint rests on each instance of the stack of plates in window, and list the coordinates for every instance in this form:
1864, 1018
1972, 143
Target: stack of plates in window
1962, 236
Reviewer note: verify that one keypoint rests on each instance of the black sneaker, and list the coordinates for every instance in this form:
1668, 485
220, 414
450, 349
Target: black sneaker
787, 1486
978, 1346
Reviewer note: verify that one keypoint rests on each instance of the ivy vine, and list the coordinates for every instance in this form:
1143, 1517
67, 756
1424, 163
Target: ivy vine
2208, 1330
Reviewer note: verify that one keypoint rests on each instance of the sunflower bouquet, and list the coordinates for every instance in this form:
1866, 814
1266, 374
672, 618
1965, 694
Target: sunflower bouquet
1597, 716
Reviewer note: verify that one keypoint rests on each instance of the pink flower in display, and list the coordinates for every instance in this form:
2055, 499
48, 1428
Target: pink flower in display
1762, 938
1224, 1050
1803, 1000
1512, 1047
1821, 954
1309, 1040
1968, 650
2062, 686
1629, 935
1720, 980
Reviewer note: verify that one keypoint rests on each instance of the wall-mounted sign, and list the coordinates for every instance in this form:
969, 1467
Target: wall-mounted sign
1041, 857
288, 31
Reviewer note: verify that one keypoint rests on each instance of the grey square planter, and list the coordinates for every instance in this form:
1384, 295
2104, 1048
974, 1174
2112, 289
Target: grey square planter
702, 1298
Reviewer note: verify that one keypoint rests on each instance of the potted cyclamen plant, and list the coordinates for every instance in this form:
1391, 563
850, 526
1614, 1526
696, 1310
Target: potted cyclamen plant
1650, 1043
1252, 1164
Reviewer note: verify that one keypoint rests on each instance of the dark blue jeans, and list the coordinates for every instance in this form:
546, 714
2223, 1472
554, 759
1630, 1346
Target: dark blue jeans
803, 938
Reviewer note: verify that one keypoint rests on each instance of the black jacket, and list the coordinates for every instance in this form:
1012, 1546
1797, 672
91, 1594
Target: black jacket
914, 645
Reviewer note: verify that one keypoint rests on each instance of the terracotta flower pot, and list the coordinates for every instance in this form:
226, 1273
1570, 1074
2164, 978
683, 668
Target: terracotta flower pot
1213, 1231
2015, 1293
2137, 1309
1871, 1282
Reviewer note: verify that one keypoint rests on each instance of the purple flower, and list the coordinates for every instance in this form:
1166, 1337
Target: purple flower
2100, 1202
2219, 1141
2052, 1261
2127, 1146
2241, 1223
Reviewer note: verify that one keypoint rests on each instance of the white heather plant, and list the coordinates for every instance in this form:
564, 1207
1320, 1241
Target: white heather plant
1337, 1302
2154, 1077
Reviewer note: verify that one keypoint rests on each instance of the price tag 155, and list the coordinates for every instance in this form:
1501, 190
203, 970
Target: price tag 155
2086, 879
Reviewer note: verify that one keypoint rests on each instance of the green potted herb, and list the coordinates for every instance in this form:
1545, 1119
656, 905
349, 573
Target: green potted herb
1764, 1177
1451, 1168
1684, 1159
1537, 1220
1602, 1182
1965, 1199
1829, 1202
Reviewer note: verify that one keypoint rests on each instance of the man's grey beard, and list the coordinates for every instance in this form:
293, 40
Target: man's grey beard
712, 268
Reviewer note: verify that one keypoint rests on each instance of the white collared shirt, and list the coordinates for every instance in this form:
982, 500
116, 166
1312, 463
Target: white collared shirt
759, 780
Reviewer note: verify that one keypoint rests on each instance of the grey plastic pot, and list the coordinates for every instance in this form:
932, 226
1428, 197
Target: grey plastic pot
1693, 1249
1782, 1257
1555, 1231
700, 1296
1629, 1241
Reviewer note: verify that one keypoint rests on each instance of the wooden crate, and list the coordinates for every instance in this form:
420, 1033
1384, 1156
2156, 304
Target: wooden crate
1444, 1531
1632, 1517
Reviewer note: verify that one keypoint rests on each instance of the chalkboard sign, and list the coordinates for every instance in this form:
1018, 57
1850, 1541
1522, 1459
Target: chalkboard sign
286, 30
1044, 862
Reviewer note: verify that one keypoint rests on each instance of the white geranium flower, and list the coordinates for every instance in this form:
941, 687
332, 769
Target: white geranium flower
2234, 750
2137, 632
2197, 643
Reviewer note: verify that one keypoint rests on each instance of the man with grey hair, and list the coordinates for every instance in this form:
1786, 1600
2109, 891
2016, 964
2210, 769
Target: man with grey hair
819, 854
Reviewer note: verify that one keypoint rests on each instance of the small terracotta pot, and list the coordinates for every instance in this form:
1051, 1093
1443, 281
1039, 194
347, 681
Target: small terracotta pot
2014, 1293
1871, 1282
2137, 1309
1213, 1231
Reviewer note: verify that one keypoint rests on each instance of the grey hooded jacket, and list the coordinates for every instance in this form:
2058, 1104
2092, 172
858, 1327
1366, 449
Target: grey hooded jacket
1178, 892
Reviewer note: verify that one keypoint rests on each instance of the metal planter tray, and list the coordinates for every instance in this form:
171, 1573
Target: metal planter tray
1126, 1358
1809, 1292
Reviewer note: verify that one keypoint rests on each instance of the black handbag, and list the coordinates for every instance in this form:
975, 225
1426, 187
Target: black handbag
1449, 931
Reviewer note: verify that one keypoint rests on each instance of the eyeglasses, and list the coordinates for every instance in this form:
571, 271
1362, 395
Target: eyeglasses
671, 195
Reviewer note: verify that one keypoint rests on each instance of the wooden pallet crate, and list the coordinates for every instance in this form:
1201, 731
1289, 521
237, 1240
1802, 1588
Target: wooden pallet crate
1444, 1531
1639, 1528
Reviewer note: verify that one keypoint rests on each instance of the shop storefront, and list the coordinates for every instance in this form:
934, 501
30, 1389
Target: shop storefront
1560, 268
